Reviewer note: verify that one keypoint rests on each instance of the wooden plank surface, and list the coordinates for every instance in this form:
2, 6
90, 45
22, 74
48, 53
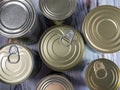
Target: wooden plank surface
76, 74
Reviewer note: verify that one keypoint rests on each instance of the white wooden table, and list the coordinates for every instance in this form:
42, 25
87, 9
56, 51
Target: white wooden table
76, 74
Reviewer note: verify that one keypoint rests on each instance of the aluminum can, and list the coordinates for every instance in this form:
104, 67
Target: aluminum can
54, 82
101, 29
17, 64
57, 9
61, 47
18, 19
102, 74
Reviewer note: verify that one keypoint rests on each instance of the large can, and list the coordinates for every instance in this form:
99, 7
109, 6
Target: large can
18, 19
101, 29
54, 82
61, 47
102, 74
57, 10
17, 64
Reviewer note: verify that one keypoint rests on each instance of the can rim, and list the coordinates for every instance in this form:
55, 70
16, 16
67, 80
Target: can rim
32, 67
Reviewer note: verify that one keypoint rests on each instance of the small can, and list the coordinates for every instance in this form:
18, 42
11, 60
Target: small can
101, 29
102, 74
57, 10
61, 47
18, 19
17, 64
54, 82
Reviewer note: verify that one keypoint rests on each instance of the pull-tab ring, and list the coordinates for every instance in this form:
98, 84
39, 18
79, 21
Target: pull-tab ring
69, 35
13, 56
100, 66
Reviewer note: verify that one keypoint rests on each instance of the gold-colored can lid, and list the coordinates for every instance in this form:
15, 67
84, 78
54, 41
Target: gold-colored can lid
57, 9
54, 82
102, 74
61, 47
101, 28
16, 63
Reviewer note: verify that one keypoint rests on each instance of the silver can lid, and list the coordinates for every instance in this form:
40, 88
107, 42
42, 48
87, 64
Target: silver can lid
16, 18
16, 64
57, 9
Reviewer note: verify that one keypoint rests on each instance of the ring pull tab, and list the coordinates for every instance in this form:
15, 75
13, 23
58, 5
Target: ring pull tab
100, 66
13, 56
68, 36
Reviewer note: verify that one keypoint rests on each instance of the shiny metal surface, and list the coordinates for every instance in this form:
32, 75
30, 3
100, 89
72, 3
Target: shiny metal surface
61, 47
102, 74
51, 79
77, 74
57, 9
16, 64
17, 17
101, 29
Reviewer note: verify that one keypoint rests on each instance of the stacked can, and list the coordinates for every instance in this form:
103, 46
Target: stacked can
17, 63
61, 47
101, 29
60, 11
18, 19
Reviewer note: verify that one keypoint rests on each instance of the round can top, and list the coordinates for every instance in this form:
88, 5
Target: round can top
16, 18
61, 47
101, 28
54, 82
57, 9
102, 74
16, 63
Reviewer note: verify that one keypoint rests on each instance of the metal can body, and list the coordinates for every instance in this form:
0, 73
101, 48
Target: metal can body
57, 10
50, 23
18, 20
101, 29
54, 82
16, 64
102, 74
61, 47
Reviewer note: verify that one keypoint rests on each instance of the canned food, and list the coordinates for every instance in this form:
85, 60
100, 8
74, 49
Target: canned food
54, 82
57, 9
16, 64
102, 74
101, 29
18, 19
61, 47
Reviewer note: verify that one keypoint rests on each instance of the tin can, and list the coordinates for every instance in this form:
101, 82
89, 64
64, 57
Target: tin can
102, 74
16, 64
54, 82
101, 29
18, 19
57, 9
61, 47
